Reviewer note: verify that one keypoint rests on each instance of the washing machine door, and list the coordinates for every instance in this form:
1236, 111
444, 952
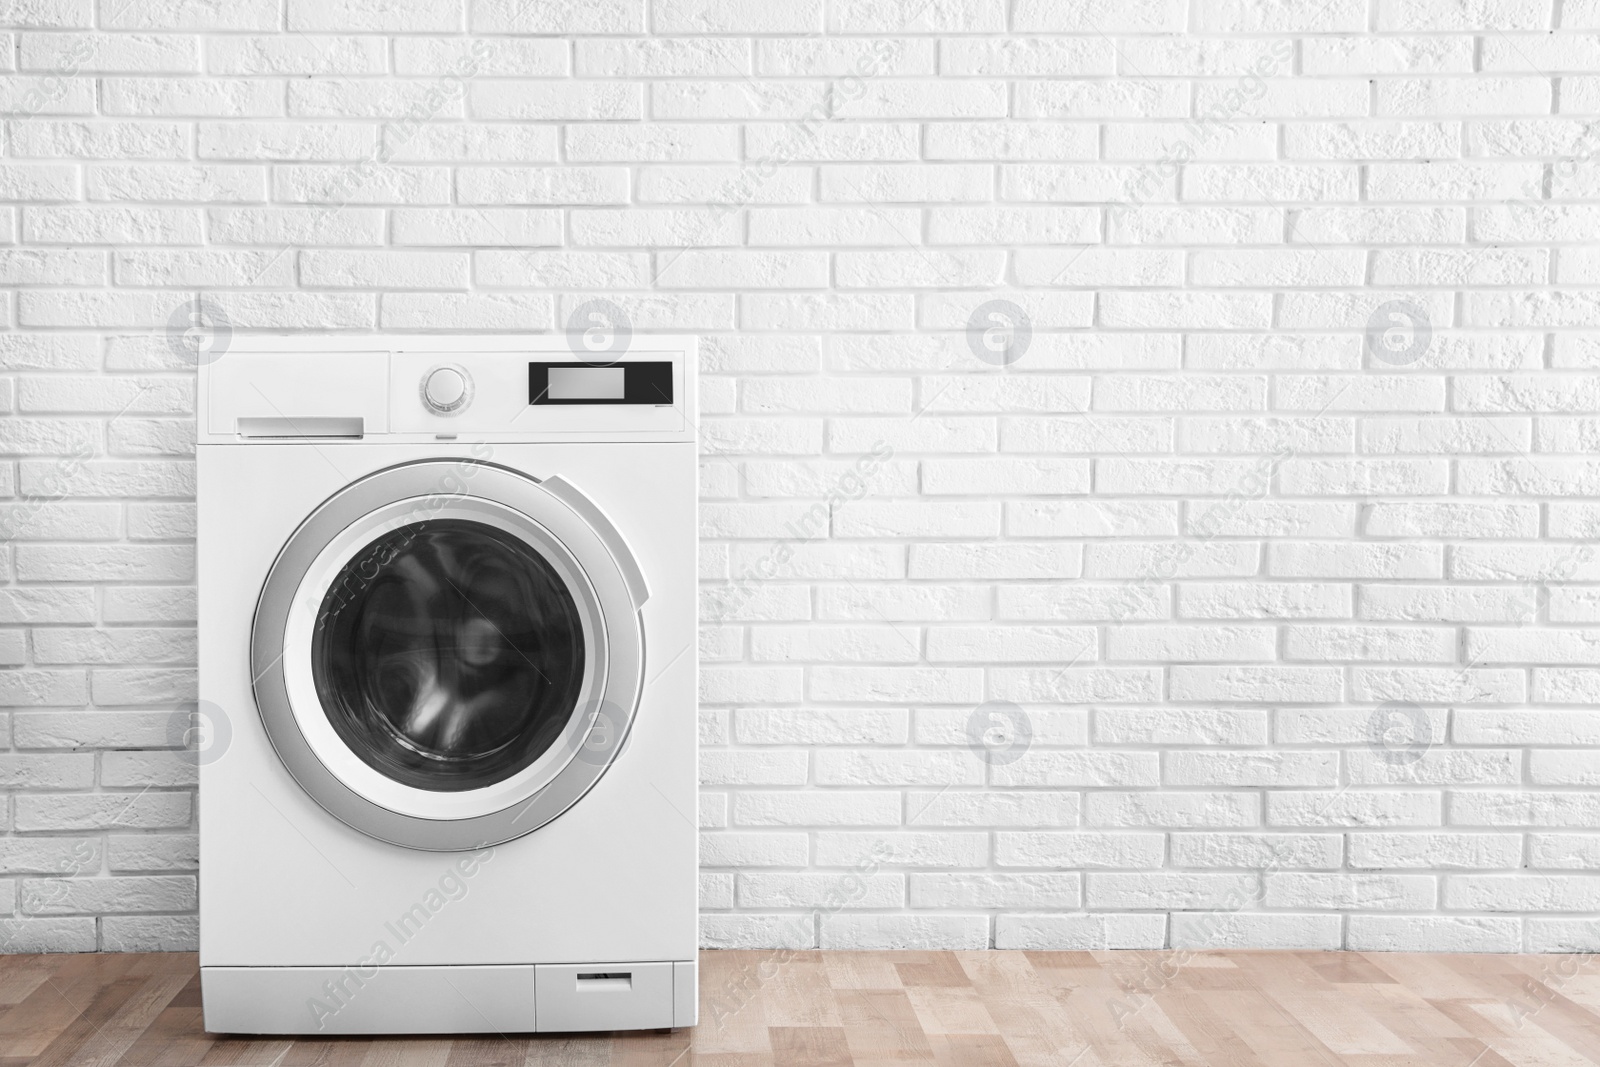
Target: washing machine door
448, 654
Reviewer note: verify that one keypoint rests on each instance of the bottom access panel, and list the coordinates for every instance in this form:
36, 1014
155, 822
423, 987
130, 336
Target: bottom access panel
449, 1000
580, 997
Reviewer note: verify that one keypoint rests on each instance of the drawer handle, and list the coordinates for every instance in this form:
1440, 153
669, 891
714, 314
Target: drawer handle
312, 426
600, 980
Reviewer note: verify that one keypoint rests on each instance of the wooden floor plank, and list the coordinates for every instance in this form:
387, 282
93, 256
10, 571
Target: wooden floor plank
898, 1009
49, 1011
861, 970
800, 994
1563, 1019
930, 969
881, 1026
1208, 1032
1275, 1035
126, 1018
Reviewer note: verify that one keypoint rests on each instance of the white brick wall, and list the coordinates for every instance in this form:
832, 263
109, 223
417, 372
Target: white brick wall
1250, 601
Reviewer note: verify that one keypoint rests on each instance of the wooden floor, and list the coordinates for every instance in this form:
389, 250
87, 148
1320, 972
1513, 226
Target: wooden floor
972, 1009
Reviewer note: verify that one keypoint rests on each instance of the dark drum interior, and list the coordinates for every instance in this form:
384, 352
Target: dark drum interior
448, 655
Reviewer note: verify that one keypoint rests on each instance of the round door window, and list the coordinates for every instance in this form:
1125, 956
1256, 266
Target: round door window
448, 655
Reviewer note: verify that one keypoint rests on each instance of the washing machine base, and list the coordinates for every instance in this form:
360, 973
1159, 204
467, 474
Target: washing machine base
370, 998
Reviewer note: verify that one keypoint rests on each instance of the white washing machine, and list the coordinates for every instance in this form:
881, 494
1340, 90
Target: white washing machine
447, 685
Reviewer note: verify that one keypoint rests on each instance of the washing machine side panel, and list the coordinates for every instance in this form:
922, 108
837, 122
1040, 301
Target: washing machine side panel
614, 879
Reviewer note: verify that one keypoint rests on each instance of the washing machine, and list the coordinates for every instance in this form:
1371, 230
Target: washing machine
446, 720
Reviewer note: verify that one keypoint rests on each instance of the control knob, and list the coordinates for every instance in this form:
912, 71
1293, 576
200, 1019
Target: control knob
446, 390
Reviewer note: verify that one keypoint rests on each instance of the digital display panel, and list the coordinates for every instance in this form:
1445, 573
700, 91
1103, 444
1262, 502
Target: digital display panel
630, 382
587, 383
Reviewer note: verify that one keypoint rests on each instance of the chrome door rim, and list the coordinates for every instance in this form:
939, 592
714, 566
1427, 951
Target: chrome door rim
331, 749
415, 492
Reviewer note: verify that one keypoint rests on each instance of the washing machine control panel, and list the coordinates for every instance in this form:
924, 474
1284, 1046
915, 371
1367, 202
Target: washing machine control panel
490, 387
532, 392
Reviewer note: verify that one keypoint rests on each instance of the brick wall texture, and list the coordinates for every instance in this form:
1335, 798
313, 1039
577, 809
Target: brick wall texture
1150, 445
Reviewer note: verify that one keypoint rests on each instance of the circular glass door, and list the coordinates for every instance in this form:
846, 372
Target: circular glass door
448, 655
450, 670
